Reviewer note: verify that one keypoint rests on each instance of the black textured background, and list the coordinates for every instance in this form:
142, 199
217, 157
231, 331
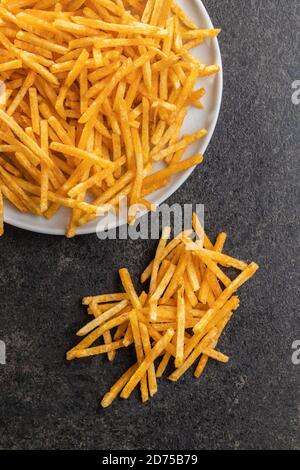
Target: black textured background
250, 186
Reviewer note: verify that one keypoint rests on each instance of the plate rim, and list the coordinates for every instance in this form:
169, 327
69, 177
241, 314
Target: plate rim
88, 230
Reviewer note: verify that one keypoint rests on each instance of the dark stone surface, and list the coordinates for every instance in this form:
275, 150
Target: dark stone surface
249, 185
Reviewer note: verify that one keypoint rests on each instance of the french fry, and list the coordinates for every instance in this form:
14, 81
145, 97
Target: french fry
21, 93
201, 366
136, 332
211, 353
106, 348
99, 320
157, 260
34, 107
147, 349
145, 365
194, 355
94, 335
226, 294
44, 169
163, 283
180, 327
163, 365
110, 396
129, 288
12, 65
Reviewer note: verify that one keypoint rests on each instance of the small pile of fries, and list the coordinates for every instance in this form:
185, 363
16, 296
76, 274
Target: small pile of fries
96, 92
188, 305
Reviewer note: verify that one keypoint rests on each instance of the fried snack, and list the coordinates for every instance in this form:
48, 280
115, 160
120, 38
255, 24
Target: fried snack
170, 320
96, 94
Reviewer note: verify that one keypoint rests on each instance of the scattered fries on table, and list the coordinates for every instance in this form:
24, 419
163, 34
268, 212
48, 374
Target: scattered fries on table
96, 92
182, 316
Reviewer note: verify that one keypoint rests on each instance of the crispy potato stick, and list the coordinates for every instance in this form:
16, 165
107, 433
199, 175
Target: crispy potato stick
186, 20
180, 327
44, 168
106, 348
110, 396
108, 340
159, 347
135, 328
222, 259
34, 107
201, 366
202, 237
226, 294
139, 166
163, 365
129, 288
21, 93
97, 178
12, 65
12, 198
163, 283
211, 353
38, 41
179, 272
173, 169
104, 317
94, 335
147, 349
209, 280
105, 298
27, 141
157, 260
169, 248
13, 186
193, 275
83, 154
97, 309
213, 267
201, 33
193, 356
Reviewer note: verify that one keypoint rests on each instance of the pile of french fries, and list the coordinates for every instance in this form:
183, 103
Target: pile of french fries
96, 92
189, 302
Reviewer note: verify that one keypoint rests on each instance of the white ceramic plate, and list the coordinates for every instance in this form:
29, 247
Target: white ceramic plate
209, 53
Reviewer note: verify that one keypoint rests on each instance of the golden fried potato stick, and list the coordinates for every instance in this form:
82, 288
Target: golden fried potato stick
181, 326
106, 348
158, 258
129, 288
110, 396
94, 335
163, 365
104, 317
137, 337
44, 170
105, 298
147, 349
193, 356
226, 294
159, 347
